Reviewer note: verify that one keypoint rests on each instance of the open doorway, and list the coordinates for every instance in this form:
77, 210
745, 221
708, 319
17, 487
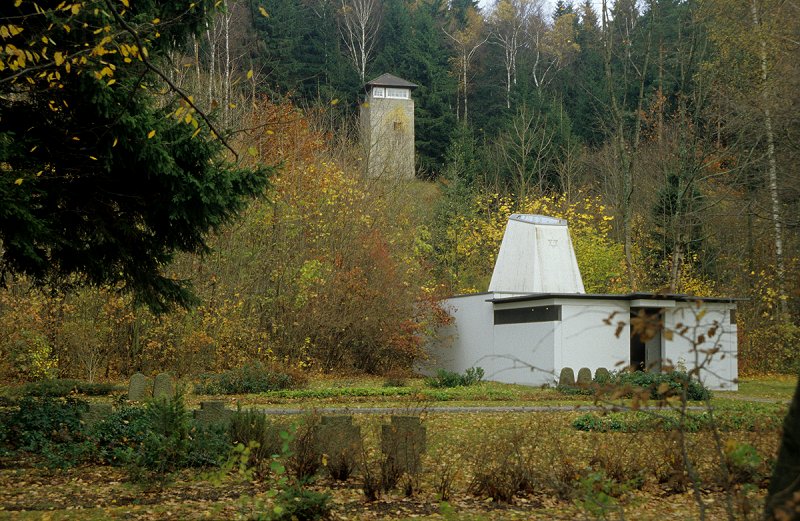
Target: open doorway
647, 351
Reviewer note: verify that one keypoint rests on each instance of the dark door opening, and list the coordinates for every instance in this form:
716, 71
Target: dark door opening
647, 353
637, 351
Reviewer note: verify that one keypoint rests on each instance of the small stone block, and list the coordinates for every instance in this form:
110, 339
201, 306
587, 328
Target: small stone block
584, 376
602, 375
97, 412
567, 377
212, 412
139, 388
339, 438
163, 386
404, 441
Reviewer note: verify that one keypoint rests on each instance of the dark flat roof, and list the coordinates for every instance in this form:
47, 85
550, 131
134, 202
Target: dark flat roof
390, 80
627, 296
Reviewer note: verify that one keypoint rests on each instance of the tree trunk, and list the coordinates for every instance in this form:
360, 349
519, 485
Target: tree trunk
785, 483
772, 169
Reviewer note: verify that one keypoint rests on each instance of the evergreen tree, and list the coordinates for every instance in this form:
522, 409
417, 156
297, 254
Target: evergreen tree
299, 49
562, 8
459, 10
279, 38
588, 27
583, 83
413, 48
102, 182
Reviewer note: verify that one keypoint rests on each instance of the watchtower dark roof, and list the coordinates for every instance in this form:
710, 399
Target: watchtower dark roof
390, 80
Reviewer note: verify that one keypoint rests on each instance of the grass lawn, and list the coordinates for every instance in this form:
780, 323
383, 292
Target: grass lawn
773, 387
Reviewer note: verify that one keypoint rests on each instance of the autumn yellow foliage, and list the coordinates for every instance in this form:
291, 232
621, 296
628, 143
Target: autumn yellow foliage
476, 236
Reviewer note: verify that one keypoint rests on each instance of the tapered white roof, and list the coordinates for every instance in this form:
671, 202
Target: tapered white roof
536, 256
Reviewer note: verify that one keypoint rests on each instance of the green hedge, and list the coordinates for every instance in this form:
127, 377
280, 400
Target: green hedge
254, 378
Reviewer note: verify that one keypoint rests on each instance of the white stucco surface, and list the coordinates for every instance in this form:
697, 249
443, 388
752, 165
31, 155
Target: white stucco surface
693, 344
588, 341
536, 256
592, 333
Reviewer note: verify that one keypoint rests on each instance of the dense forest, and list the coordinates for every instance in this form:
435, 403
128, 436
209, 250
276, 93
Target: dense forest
665, 131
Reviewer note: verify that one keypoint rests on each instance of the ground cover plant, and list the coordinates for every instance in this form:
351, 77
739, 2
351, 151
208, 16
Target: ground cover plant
250, 378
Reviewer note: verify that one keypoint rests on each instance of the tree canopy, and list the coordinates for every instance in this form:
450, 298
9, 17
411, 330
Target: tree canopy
107, 170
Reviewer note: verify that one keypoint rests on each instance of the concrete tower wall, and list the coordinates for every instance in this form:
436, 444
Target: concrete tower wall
388, 130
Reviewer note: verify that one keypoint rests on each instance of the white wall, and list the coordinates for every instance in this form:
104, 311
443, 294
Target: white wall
534, 353
721, 369
509, 353
467, 339
523, 353
590, 342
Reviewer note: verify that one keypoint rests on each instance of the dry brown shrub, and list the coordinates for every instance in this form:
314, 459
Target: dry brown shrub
620, 457
503, 467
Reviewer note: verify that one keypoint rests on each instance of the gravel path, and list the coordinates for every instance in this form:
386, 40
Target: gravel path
451, 410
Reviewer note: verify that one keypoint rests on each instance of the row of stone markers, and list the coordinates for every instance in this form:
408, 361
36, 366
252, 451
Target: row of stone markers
142, 388
403, 441
567, 376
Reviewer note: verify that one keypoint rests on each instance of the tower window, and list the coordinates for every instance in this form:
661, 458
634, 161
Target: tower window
378, 92
397, 93
398, 125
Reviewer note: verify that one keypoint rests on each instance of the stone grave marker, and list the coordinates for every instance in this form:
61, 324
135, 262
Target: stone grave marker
602, 375
97, 412
212, 412
584, 377
139, 388
163, 386
403, 442
340, 440
566, 377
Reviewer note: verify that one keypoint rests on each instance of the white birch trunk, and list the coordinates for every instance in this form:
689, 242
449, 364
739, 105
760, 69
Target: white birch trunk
772, 168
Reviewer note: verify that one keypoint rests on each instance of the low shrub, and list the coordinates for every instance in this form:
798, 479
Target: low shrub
598, 494
48, 427
252, 425
445, 379
745, 464
750, 418
171, 442
210, 446
296, 503
38, 422
304, 460
256, 378
661, 385
574, 390
124, 429
504, 470
59, 387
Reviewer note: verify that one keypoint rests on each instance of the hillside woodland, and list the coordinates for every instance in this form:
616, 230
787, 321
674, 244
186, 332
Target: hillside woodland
664, 131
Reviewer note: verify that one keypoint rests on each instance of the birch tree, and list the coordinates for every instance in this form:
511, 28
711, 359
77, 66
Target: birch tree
509, 21
467, 41
359, 25
756, 73
552, 48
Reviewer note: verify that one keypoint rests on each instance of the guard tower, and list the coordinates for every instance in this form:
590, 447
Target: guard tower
387, 123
